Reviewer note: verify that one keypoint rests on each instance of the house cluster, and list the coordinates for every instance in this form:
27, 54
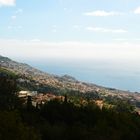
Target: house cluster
47, 97
39, 98
24, 94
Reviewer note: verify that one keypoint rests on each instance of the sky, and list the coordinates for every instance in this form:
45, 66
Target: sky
105, 31
71, 23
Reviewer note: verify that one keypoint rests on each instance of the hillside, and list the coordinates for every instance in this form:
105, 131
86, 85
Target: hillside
62, 118
33, 79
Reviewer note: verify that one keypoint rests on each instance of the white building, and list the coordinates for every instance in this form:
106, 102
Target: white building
23, 94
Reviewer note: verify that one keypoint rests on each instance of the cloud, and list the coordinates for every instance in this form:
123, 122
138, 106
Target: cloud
120, 39
127, 39
35, 40
7, 2
102, 13
137, 10
19, 27
18, 11
77, 27
65, 9
105, 30
54, 30
37, 49
54, 26
11, 27
13, 17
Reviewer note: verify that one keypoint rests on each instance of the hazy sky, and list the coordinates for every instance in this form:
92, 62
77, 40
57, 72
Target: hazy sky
70, 28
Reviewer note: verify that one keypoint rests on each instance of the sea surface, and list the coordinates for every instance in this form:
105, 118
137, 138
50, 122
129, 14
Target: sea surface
105, 73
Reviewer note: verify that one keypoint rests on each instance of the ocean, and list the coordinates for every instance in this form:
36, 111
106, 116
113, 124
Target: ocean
119, 75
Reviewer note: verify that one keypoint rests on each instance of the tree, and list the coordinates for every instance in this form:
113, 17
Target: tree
12, 127
29, 103
8, 98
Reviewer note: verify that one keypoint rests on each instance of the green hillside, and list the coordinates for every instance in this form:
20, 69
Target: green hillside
64, 120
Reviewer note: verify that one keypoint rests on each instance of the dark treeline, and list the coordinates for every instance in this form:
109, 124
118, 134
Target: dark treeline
62, 120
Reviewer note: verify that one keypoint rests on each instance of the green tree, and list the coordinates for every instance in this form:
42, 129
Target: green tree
12, 128
8, 97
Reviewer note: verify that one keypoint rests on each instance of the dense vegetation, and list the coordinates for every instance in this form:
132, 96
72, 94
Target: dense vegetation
62, 119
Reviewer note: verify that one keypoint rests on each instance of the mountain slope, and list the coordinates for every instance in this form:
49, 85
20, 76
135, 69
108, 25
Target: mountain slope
63, 82
33, 79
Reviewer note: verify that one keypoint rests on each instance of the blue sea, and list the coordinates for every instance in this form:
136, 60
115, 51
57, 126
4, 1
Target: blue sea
105, 73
